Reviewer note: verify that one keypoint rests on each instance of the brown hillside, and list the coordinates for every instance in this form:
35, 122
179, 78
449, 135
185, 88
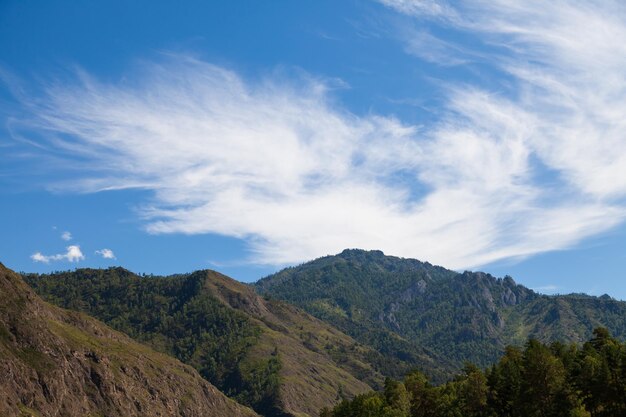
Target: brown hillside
55, 362
314, 373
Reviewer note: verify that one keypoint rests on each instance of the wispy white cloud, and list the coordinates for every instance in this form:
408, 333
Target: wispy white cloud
433, 49
565, 113
106, 253
73, 254
67, 236
281, 164
427, 8
547, 289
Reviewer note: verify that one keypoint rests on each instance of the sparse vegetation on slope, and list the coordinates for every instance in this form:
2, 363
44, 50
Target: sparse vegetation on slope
264, 353
56, 362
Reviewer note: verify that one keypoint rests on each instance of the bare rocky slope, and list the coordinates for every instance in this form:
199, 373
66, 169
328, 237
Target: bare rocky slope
55, 362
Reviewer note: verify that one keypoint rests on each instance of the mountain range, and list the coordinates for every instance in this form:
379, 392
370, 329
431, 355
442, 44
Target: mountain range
311, 335
464, 317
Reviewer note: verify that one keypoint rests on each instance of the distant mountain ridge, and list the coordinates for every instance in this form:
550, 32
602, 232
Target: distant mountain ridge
55, 362
469, 316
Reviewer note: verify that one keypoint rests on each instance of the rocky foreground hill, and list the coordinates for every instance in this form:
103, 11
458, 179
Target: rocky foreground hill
54, 362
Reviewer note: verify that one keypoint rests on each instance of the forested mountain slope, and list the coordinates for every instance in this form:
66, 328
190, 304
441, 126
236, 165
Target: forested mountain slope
468, 316
55, 362
264, 353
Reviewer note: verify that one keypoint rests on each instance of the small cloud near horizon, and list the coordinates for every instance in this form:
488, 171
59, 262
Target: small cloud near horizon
73, 254
106, 253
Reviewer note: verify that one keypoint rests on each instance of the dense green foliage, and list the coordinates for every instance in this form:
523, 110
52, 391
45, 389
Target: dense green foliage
176, 316
410, 310
554, 380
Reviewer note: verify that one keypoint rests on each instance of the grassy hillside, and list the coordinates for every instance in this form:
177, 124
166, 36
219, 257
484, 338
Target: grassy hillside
55, 362
264, 353
468, 316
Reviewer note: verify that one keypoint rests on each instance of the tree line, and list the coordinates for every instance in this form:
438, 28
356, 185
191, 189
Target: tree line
540, 380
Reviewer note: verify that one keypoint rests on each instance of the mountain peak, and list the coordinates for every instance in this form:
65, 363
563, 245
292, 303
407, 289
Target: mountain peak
359, 252
469, 316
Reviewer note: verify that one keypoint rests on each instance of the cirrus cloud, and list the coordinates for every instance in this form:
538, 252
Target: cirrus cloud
282, 165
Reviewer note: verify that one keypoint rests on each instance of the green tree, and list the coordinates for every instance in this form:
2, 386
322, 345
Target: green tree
473, 392
397, 398
504, 380
422, 395
600, 375
544, 390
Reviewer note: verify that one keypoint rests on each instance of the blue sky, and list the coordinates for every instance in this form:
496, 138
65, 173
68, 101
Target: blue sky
246, 136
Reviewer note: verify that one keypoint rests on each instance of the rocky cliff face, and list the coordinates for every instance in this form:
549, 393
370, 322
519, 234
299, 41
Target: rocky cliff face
55, 362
